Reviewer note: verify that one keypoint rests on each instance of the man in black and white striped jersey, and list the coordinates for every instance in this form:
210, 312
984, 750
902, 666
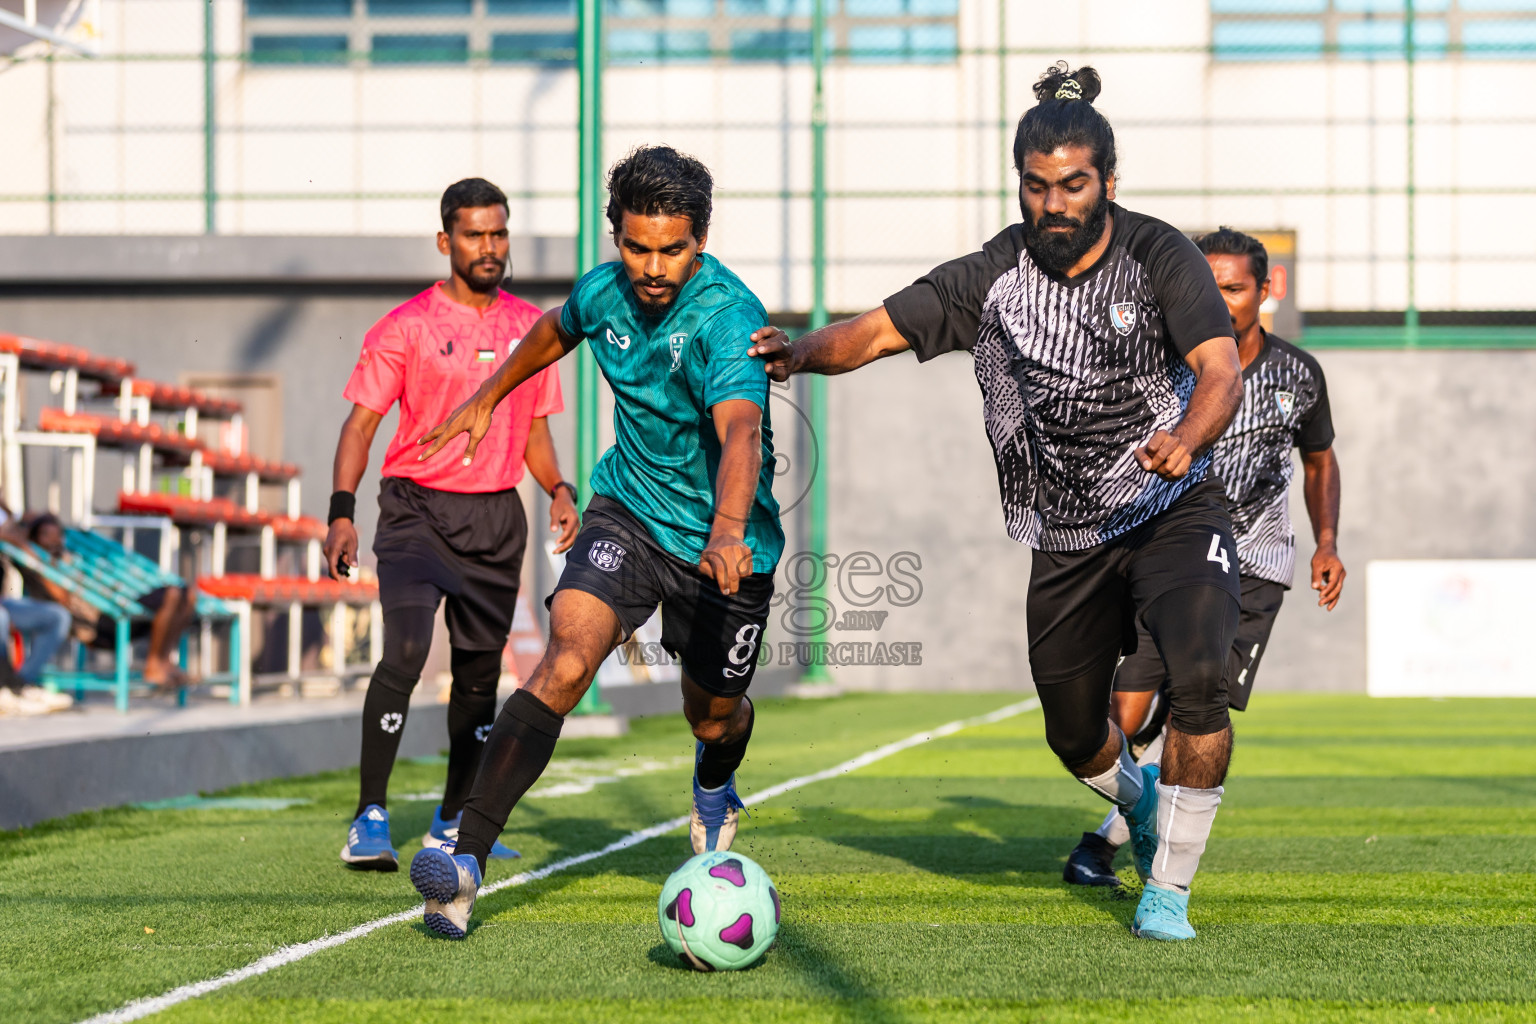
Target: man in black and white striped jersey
1285, 406
1108, 368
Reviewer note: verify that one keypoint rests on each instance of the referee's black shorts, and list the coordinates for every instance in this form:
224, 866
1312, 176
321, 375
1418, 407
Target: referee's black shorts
467, 548
1143, 670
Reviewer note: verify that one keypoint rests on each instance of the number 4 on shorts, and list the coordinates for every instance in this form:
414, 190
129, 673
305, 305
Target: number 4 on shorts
1218, 553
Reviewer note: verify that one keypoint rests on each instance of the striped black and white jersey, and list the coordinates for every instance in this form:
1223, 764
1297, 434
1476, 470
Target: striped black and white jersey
1285, 406
1076, 373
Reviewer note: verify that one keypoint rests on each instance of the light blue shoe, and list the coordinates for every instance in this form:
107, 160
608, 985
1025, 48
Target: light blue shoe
449, 883
716, 812
444, 835
1143, 822
1162, 914
368, 847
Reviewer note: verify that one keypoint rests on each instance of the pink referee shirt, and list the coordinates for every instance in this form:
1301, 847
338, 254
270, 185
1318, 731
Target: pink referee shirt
430, 354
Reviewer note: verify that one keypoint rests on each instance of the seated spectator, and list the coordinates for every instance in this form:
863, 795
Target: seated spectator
44, 627
173, 610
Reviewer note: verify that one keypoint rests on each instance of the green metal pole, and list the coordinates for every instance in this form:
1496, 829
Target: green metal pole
589, 160
589, 62
53, 159
817, 404
1004, 215
1411, 313
210, 196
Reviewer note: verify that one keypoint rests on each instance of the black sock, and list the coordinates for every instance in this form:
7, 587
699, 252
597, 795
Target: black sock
719, 761
471, 710
519, 748
407, 638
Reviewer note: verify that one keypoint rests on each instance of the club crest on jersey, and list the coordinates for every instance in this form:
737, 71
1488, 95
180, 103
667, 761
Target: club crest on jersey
620, 340
677, 341
1122, 316
1286, 401
606, 555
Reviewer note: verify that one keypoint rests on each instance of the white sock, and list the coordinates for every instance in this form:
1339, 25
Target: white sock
1121, 785
1115, 831
1184, 819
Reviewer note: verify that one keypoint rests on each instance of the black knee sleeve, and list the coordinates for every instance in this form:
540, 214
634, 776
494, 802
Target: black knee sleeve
475, 673
1076, 717
1194, 628
407, 640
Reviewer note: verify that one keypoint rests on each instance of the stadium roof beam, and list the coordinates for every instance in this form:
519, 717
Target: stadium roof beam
32, 28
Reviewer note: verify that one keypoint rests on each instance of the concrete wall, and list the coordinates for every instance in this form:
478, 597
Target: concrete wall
1435, 459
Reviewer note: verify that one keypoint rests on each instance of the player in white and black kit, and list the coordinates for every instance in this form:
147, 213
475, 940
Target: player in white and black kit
1285, 406
1107, 369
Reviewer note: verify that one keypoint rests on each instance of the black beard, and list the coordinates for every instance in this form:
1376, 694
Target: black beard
482, 282
1057, 252
651, 308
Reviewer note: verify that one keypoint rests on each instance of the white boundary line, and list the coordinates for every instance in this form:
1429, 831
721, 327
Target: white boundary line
142, 1008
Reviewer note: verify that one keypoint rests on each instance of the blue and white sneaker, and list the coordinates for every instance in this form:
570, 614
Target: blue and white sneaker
1162, 914
368, 847
444, 835
449, 883
1143, 822
712, 822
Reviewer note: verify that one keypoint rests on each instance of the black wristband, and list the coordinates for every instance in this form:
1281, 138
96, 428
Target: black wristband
343, 506
568, 486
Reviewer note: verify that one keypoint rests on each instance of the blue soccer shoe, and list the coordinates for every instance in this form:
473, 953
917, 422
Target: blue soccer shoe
712, 822
444, 835
1143, 822
449, 883
1162, 914
368, 847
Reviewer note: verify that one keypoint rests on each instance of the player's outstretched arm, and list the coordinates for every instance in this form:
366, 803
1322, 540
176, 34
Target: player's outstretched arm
346, 473
542, 345
739, 426
1218, 392
1320, 487
836, 348
544, 464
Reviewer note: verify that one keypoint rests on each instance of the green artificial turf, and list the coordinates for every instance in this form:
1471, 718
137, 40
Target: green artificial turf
1372, 861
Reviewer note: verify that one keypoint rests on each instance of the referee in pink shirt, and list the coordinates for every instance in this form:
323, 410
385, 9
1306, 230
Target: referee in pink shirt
448, 529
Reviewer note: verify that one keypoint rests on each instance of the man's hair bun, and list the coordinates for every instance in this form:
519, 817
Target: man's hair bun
1061, 83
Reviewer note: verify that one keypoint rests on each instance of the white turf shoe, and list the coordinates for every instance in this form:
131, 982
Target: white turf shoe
50, 699
449, 883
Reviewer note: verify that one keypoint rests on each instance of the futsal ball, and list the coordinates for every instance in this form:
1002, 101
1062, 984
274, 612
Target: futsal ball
719, 911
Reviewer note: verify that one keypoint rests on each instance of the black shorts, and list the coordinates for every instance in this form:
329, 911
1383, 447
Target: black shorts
106, 637
716, 636
1143, 671
1084, 607
467, 548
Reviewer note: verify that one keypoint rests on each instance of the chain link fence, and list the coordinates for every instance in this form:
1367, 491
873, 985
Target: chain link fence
1382, 139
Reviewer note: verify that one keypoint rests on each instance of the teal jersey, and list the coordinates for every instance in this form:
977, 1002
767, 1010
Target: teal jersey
666, 374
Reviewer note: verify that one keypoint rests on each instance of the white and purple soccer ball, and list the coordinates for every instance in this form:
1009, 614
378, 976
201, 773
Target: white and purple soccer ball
719, 911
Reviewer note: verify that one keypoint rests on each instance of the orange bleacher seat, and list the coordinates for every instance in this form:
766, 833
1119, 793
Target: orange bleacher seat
110, 430
302, 528
286, 589
192, 511
174, 396
34, 353
238, 465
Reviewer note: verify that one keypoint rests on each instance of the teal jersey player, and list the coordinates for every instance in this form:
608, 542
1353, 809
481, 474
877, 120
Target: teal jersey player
666, 374
682, 518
